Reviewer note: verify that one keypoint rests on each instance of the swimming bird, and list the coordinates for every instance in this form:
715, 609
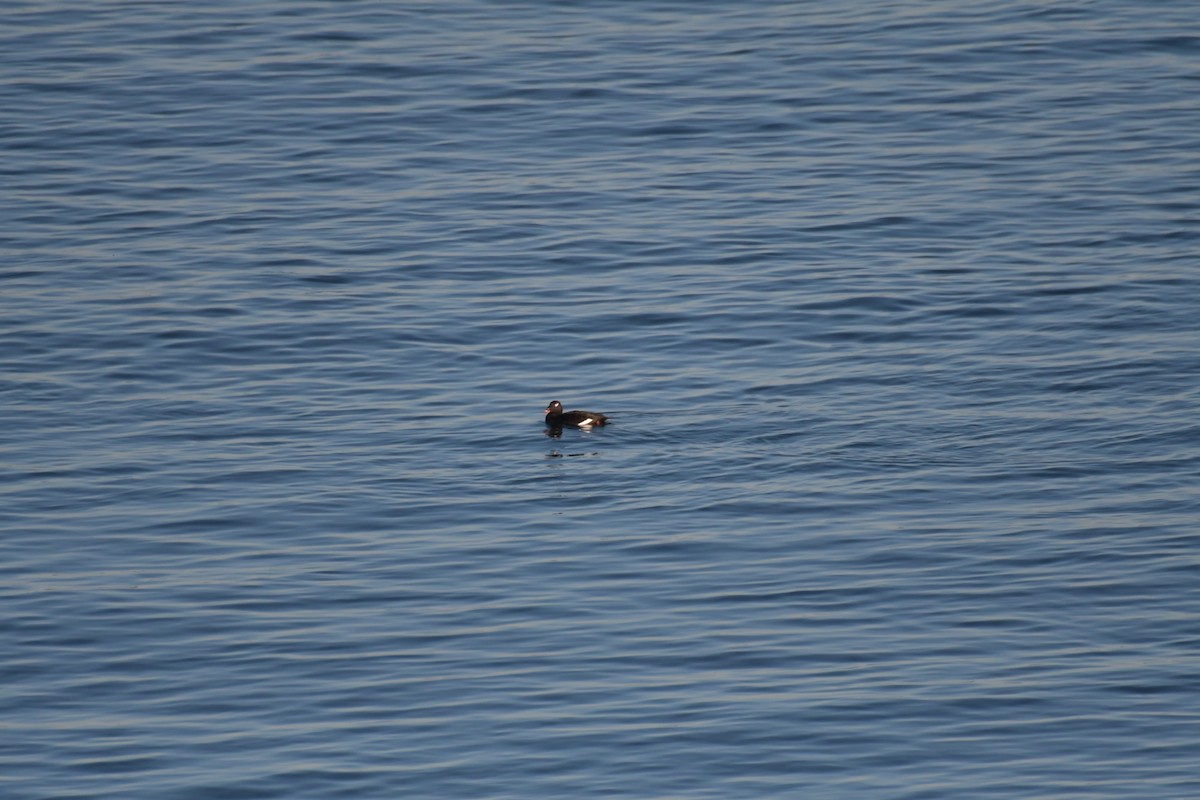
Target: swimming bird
556, 417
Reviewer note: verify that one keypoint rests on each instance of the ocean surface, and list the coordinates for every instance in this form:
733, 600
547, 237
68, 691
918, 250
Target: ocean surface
894, 307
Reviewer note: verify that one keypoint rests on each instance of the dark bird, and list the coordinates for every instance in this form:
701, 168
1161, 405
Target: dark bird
556, 417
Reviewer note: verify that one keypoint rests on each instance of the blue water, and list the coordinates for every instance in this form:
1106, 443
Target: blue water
894, 308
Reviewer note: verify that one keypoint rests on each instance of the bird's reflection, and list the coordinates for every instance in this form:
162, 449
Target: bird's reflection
555, 432
560, 454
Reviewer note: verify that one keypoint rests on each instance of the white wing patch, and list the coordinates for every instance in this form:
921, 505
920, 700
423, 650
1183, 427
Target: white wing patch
587, 423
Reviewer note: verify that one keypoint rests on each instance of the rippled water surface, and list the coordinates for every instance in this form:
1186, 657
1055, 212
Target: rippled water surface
894, 308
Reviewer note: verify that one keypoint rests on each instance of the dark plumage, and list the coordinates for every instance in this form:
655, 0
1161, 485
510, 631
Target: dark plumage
556, 417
